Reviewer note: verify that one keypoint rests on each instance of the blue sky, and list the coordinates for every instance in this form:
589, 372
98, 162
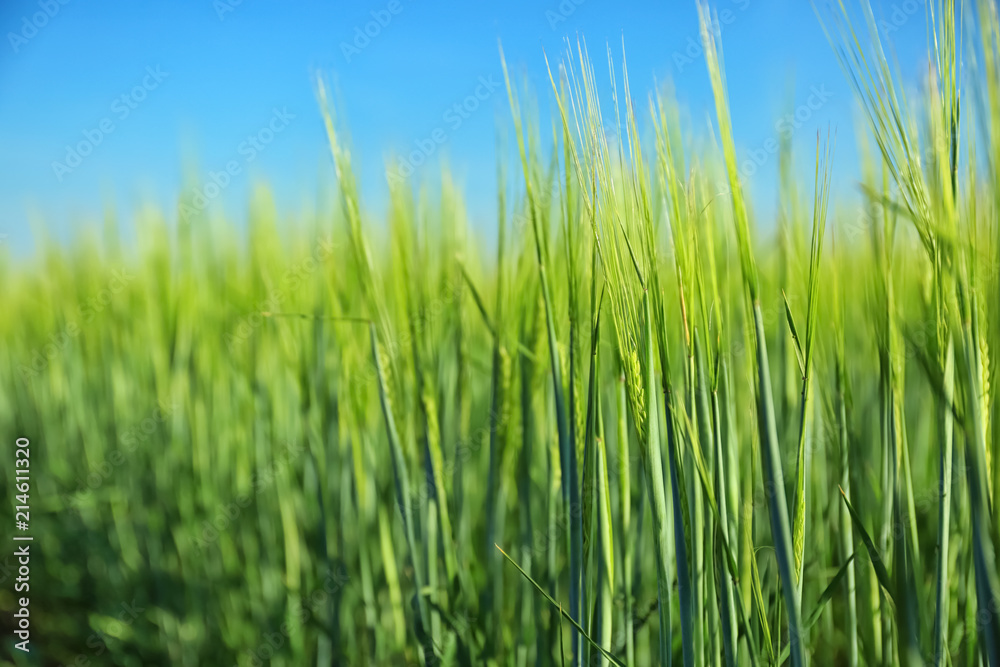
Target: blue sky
150, 88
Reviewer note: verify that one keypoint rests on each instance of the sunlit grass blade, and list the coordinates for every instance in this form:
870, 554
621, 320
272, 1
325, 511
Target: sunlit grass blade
402, 483
824, 599
562, 612
770, 449
572, 507
873, 553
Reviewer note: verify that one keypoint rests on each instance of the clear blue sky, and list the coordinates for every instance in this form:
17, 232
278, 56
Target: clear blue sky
178, 79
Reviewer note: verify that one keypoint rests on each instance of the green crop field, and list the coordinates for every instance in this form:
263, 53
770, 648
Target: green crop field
643, 425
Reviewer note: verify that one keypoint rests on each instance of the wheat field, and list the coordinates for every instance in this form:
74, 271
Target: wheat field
643, 425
